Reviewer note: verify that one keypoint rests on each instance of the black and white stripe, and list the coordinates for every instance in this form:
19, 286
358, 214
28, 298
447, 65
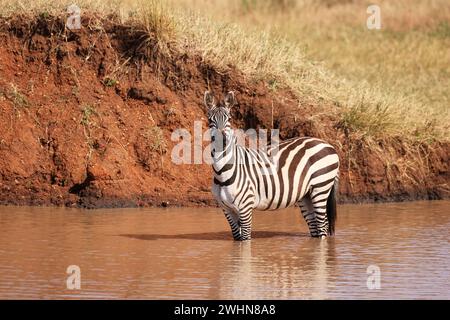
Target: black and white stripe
300, 171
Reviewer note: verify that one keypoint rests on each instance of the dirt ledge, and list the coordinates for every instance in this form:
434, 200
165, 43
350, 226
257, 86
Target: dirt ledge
86, 119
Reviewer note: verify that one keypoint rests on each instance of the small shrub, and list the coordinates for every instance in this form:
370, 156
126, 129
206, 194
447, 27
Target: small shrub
87, 112
157, 142
170, 111
18, 99
44, 15
109, 82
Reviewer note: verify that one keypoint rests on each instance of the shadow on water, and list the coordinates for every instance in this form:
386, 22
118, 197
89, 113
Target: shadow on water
222, 235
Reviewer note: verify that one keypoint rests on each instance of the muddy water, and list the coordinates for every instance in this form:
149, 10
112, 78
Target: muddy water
188, 253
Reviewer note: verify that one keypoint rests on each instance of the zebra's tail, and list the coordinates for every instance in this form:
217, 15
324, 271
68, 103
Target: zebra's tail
331, 208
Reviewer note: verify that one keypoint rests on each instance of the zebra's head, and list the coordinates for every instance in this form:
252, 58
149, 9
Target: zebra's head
219, 119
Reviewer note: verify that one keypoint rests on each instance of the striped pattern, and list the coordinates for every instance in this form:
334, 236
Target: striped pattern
301, 171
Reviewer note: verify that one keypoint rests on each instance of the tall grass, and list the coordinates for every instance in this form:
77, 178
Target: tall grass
378, 83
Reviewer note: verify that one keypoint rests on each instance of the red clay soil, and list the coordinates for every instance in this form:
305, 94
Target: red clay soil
82, 113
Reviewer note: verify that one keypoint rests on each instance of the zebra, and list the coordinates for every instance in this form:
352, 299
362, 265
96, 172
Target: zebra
302, 171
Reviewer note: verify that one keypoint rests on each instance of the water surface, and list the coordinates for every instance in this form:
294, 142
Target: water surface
189, 254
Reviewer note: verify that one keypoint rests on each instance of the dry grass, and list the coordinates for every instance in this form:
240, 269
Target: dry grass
389, 82
377, 83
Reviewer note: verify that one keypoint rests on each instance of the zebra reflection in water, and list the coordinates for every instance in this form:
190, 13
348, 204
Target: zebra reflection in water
275, 274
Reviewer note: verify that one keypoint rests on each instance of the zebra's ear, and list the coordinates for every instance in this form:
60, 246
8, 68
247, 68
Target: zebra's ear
209, 100
230, 100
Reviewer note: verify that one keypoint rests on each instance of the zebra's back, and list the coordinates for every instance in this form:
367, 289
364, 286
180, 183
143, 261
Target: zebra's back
296, 166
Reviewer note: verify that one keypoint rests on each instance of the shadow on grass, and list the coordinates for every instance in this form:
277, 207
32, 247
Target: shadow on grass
222, 235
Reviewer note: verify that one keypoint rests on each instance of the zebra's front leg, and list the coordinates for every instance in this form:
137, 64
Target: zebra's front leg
233, 220
322, 224
245, 220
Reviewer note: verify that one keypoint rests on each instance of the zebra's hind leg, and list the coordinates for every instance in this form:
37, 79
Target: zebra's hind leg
309, 215
233, 220
319, 197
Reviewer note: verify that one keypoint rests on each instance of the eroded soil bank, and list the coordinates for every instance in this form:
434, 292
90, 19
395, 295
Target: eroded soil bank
86, 119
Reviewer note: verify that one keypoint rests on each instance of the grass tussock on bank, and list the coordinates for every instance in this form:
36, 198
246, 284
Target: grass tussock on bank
392, 82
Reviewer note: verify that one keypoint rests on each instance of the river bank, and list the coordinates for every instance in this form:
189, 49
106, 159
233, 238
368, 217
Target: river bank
86, 119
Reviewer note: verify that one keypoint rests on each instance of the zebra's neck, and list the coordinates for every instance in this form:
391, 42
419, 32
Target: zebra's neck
224, 160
